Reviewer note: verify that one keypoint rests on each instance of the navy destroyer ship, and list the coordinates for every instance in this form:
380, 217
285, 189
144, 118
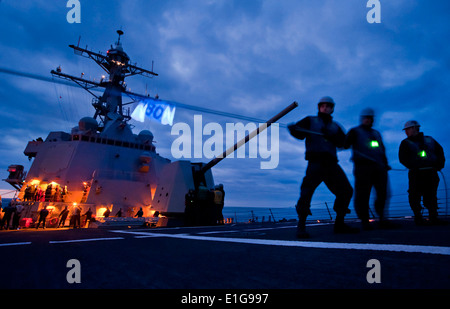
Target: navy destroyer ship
101, 165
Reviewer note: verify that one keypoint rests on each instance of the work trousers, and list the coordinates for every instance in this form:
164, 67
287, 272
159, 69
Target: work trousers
41, 219
368, 175
336, 181
423, 184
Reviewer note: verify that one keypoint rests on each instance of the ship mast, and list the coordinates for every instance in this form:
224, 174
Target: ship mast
116, 64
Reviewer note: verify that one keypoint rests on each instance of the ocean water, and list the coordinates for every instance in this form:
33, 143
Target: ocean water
395, 208
397, 205
259, 214
264, 214
5, 201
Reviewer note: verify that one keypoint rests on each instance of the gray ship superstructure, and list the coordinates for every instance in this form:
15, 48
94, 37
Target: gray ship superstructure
101, 163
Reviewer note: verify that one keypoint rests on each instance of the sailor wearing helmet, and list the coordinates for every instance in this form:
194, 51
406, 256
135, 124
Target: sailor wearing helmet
370, 168
424, 157
323, 136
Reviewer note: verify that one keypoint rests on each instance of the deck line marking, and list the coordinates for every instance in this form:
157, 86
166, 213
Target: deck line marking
15, 244
326, 245
147, 236
219, 232
83, 240
282, 227
311, 244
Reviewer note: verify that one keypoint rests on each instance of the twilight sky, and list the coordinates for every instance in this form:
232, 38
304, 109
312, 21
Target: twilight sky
248, 57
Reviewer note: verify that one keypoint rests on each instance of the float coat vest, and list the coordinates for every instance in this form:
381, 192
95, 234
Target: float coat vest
367, 145
318, 146
421, 152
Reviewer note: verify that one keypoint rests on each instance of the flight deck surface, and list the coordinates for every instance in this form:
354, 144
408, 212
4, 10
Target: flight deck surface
240, 256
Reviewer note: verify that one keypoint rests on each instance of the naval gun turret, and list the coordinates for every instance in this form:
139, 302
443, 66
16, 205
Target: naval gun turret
179, 177
102, 165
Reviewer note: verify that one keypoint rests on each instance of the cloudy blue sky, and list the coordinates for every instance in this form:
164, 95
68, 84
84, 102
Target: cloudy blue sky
248, 57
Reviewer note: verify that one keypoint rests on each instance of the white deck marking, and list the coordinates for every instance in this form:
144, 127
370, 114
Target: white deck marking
147, 236
15, 244
309, 244
253, 230
83, 240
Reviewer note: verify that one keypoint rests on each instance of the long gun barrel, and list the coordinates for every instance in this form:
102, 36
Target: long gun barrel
260, 129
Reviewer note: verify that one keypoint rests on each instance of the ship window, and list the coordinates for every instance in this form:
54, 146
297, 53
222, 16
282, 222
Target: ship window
147, 147
99, 140
141, 146
76, 137
110, 142
118, 143
103, 140
85, 138
126, 144
92, 139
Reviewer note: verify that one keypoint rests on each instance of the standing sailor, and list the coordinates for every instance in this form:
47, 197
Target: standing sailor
63, 216
370, 168
424, 157
322, 136
219, 197
42, 216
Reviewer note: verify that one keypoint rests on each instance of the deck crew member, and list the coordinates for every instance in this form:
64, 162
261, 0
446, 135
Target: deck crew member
219, 197
42, 216
88, 215
107, 212
139, 213
8, 214
16, 216
191, 208
62, 216
76, 216
322, 136
424, 157
370, 168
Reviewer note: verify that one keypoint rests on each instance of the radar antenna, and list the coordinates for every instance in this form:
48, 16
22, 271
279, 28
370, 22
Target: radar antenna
119, 32
116, 64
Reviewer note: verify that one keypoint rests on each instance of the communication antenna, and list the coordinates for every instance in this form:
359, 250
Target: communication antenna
120, 32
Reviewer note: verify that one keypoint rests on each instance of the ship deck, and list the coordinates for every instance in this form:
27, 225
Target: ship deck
232, 256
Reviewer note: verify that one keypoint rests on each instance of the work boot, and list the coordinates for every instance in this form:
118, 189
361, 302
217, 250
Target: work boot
301, 228
366, 226
341, 228
302, 233
434, 220
418, 219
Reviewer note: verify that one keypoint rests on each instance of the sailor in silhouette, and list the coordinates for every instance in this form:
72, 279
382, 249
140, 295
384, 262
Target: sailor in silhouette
322, 136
